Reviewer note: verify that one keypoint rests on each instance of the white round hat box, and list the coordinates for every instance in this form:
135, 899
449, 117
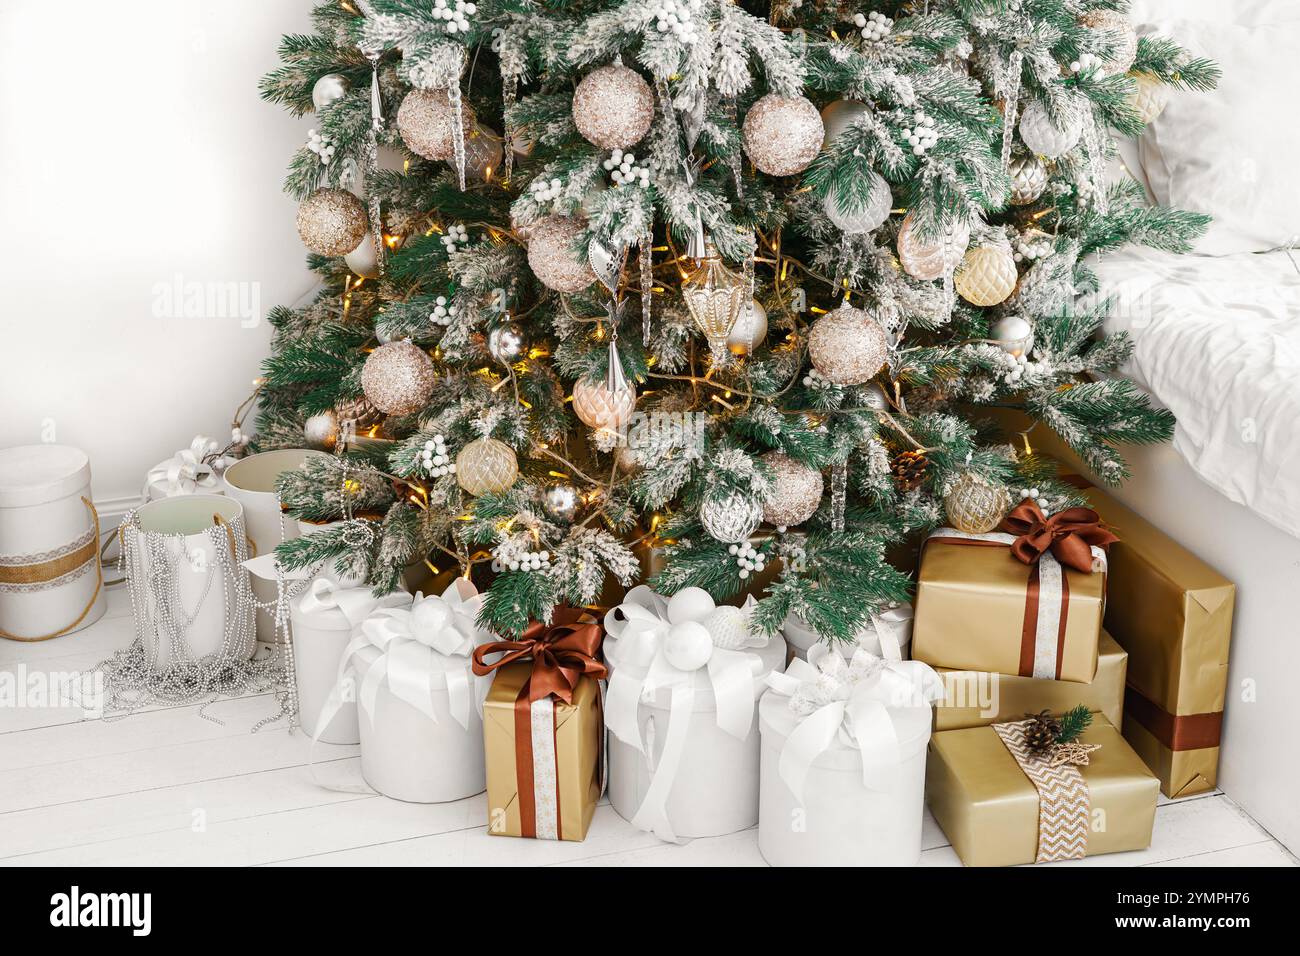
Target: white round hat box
251, 482
894, 646
194, 537
841, 822
51, 582
716, 788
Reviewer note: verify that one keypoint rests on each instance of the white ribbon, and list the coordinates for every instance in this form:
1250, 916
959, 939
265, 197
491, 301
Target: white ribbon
848, 703
640, 627
185, 472
1051, 596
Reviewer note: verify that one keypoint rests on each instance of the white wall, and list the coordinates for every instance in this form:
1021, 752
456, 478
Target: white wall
135, 149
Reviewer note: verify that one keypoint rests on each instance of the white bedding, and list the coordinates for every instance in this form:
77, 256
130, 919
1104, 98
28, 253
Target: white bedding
1217, 341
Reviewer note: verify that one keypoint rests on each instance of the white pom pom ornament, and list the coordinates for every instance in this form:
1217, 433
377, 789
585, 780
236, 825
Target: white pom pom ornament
1042, 136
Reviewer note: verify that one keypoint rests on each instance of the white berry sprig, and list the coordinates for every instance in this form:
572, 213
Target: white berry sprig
321, 145
546, 190
1086, 63
437, 463
874, 26
454, 238
749, 559
675, 17
815, 380
508, 556
1027, 250
454, 16
443, 311
624, 171
921, 135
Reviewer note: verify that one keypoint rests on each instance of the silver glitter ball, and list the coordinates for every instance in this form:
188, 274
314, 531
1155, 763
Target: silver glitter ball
560, 501
750, 329
426, 120
613, 107
796, 491
783, 134
554, 257
1028, 178
332, 222
321, 431
327, 90
506, 343
398, 378
847, 346
731, 518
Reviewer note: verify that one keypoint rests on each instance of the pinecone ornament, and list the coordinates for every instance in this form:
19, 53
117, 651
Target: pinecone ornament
909, 470
357, 413
1041, 731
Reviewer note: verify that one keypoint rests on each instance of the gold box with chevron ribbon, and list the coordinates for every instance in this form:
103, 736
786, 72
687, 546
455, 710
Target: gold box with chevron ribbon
1001, 805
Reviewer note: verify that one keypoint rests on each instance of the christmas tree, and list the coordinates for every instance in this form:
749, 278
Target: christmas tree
738, 282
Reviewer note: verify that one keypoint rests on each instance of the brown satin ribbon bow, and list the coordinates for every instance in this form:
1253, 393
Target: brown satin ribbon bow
561, 652
1069, 534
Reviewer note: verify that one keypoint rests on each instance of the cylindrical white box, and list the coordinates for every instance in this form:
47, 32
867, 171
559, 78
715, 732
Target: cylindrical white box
716, 788
50, 579
319, 639
841, 822
251, 482
177, 533
801, 638
407, 756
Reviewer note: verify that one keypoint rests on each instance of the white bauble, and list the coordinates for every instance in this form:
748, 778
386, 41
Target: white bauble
327, 89
1014, 335
322, 431
986, 276
1150, 98
1043, 137
362, 260
838, 116
729, 628
750, 329
690, 604
688, 646
732, 518
926, 260
601, 408
880, 203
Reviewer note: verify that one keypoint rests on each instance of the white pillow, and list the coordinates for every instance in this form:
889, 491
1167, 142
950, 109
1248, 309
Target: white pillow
1231, 153
1248, 12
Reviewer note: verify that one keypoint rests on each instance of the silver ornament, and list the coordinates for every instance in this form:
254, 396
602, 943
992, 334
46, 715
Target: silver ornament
838, 116
332, 222
880, 203
553, 257
322, 430
1028, 178
731, 518
328, 89
486, 465
560, 501
796, 491
782, 135
398, 378
483, 153
873, 396
750, 329
506, 344
426, 121
613, 107
847, 346
362, 260
1042, 136
1014, 335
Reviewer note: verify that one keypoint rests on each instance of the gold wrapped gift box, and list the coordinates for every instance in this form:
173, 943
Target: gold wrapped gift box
975, 607
979, 698
579, 733
989, 808
1172, 612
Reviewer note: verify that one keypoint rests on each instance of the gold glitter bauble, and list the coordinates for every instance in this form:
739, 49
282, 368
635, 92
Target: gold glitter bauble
1119, 32
398, 378
731, 518
986, 276
974, 505
922, 260
1044, 137
427, 122
847, 346
554, 257
783, 134
796, 491
486, 465
332, 222
1028, 178
600, 408
1150, 98
613, 107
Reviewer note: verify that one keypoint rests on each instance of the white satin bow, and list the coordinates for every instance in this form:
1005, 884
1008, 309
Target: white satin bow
849, 702
641, 667
186, 472
415, 649
355, 604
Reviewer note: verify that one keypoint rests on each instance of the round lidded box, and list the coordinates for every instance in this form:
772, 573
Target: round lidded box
50, 578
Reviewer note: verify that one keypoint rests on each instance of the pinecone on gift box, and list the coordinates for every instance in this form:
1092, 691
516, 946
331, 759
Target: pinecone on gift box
909, 470
1041, 732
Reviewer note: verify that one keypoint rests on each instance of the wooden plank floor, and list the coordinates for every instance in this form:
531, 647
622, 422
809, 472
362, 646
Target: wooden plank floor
168, 787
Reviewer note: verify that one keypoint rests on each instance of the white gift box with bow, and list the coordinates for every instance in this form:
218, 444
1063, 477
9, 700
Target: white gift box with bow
681, 710
185, 473
843, 760
889, 635
420, 707
324, 618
